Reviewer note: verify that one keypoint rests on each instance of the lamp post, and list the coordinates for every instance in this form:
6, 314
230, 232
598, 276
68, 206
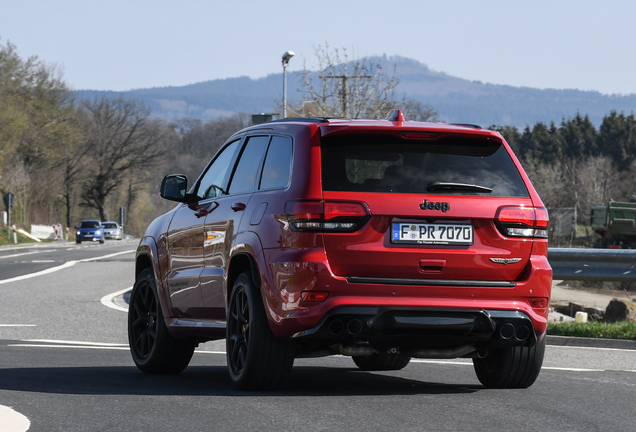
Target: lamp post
286, 57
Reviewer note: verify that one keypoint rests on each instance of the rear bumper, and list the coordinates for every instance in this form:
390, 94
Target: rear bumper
417, 332
417, 312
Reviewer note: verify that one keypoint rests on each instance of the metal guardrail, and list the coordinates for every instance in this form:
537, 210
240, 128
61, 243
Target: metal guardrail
612, 265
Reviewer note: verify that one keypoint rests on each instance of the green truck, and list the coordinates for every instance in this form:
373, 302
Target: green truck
616, 224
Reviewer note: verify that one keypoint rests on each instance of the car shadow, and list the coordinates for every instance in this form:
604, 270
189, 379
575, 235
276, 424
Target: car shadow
214, 381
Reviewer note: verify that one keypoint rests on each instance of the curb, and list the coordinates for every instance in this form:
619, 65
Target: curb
626, 344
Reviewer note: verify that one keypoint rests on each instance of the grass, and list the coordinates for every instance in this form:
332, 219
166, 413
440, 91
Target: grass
593, 329
5, 239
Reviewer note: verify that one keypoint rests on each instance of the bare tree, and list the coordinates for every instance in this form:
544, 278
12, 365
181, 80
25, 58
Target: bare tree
345, 87
122, 140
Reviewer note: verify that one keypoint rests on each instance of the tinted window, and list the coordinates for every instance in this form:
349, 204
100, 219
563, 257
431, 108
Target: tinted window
248, 168
277, 167
213, 181
384, 164
89, 224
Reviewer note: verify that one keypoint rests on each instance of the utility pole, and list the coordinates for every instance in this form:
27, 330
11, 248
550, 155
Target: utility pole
8, 203
286, 57
345, 89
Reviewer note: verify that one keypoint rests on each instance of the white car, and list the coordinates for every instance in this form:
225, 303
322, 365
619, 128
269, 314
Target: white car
112, 231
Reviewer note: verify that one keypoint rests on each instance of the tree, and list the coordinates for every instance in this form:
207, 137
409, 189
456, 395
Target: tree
351, 88
617, 138
36, 120
579, 136
123, 142
417, 111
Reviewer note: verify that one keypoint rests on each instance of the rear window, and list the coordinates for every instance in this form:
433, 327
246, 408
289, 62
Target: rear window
451, 165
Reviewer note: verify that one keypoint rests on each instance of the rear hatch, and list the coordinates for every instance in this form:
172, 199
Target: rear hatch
440, 206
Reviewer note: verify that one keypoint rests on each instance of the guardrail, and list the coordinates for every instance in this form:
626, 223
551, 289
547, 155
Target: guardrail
615, 265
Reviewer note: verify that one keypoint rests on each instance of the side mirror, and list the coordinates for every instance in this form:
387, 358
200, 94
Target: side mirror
174, 188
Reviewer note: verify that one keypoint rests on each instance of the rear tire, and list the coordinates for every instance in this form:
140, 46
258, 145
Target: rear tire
516, 367
256, 359
381, 362
153, 348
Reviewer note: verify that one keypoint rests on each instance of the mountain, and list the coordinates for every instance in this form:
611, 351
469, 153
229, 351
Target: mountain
455, 99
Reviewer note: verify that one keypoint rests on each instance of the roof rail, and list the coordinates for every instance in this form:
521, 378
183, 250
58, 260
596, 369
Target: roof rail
302, 119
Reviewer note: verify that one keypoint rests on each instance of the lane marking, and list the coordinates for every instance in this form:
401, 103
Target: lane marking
13, 421
50, 343
21, 254
61, 267
69, 346
18, 325
109, 300
572, 369
66, 342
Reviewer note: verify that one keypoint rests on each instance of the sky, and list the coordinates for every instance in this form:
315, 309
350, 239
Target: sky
129, 44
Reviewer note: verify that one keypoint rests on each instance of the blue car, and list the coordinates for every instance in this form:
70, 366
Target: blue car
89, 230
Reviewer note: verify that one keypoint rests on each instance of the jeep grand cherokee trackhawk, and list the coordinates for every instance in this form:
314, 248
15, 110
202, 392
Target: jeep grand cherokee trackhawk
379, 240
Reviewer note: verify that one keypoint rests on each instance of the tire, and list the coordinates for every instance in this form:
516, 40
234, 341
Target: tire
101, 241
153, 349
78, 241
381, 362
516, 367
256, 359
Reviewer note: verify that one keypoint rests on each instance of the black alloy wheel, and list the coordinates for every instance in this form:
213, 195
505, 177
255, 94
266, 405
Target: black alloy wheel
153, 348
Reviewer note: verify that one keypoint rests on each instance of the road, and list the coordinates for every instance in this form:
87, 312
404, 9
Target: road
65, 366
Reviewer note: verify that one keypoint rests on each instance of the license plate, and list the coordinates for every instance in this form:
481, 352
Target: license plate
432, 234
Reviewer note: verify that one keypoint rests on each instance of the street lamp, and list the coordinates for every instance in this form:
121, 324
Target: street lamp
286, 57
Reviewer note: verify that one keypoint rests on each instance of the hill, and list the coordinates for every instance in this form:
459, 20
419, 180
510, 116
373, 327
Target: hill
455, 99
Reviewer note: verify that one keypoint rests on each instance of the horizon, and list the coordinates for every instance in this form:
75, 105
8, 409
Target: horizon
120, 46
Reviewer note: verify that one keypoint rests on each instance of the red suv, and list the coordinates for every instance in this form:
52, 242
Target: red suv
379, 240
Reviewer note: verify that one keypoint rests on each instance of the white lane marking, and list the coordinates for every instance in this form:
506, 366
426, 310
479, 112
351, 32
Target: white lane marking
40, 273
12, 421
49, 343
21, 254
470, 363
591, 348
108, 300
69, 346
61, 267
572, 369
18, 325
65, 342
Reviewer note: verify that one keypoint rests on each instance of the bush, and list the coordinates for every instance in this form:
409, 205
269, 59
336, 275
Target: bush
591, 329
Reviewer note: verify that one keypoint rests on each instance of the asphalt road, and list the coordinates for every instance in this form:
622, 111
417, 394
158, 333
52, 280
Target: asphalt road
65, 366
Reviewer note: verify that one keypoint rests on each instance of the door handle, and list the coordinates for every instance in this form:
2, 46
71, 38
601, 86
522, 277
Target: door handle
204, 211
432, 265
239, 206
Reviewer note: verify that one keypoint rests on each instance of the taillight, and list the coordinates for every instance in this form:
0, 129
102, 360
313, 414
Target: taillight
522, 221
327, 216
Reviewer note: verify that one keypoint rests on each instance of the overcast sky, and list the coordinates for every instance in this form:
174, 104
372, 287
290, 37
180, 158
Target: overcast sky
121, 45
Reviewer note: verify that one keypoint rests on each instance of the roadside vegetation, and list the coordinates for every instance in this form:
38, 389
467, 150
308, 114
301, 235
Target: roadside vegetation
66, 159
593, 329
7, 239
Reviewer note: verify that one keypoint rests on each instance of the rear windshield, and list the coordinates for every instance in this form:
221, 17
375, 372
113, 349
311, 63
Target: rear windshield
451, 165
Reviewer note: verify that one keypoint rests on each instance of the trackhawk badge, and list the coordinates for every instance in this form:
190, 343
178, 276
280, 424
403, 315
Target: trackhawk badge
505, 261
